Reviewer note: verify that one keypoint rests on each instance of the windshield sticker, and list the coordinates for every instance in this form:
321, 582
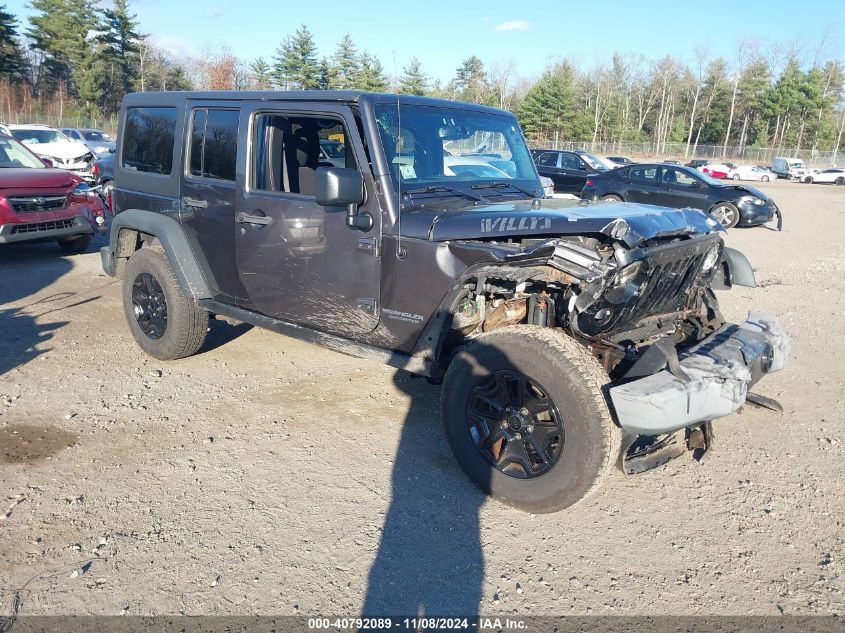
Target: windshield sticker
491, 225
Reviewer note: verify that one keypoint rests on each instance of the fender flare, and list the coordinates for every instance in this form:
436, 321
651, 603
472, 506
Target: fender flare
736, 270
169, 232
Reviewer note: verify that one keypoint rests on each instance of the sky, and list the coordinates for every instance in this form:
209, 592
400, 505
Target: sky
530, 34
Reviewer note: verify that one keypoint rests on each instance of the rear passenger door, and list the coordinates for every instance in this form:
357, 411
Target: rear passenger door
208, 192
298, 261
641, 185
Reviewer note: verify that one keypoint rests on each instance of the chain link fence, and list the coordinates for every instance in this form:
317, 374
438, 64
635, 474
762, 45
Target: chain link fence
648, 151
107, 124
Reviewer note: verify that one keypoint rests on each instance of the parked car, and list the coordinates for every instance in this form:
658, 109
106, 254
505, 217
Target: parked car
333, 152
621, 160
537, 315
4, 129
568, 170
48, 142
103, 174
717, 170
752, 172
834, 175
679, 187
698, 163
791, 168
671, 161
39, 203
98, 142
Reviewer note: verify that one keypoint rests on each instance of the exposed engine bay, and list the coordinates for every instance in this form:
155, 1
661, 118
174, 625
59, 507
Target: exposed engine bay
615, 300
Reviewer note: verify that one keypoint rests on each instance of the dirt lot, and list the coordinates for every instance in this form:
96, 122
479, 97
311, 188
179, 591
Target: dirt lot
269, 476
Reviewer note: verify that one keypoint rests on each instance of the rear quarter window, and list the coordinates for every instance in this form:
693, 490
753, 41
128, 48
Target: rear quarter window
148, 137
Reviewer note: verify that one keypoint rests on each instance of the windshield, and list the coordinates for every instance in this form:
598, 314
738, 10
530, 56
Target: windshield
97, 136
38, 136
595, 163
13, 154
452, 148
708, 179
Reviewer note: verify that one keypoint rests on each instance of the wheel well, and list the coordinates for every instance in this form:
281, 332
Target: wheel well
129, 241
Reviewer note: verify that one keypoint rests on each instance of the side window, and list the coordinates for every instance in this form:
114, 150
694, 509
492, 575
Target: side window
677, 177
287, 150
646, 175
148, 140
549, 159
214, 143
570, 161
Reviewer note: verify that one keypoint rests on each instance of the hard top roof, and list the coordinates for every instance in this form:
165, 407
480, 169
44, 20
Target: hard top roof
338, 96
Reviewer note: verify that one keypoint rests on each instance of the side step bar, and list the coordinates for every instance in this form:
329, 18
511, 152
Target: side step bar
399, 360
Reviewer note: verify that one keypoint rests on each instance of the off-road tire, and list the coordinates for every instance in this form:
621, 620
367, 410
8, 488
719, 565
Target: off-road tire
574, 381
75, 245
611, 197
187, 324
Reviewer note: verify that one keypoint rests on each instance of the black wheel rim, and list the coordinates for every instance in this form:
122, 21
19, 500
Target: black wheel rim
149, 305
515, 425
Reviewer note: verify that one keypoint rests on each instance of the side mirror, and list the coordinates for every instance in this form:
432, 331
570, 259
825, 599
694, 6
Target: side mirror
338, 187
48, 162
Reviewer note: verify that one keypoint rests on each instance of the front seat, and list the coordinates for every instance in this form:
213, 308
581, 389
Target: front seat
303, 154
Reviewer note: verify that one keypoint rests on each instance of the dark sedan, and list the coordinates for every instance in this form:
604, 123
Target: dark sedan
678, 186
568, 170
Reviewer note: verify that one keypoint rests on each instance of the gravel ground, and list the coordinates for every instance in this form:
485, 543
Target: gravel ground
269, 476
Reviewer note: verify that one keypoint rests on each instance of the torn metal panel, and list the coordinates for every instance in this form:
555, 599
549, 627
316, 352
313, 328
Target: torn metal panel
719, 371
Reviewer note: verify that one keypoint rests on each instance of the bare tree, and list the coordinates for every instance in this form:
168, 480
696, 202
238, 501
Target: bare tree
696, 87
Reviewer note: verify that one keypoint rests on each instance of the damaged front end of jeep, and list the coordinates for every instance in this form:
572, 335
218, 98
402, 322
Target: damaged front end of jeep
647, 311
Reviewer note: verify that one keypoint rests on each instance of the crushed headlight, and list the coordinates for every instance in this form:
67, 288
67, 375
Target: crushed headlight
625, 275
710, 258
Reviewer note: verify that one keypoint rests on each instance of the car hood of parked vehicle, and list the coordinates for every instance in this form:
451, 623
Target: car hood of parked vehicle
630, 223
64, 149
19, 178
747, 189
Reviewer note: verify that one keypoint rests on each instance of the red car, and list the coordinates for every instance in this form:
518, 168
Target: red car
38, 203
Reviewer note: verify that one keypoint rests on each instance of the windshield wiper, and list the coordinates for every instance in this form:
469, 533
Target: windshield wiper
446, 188
504, 185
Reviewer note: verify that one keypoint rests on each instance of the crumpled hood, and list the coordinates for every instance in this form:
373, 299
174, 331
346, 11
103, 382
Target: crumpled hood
63, 150
629, 223
751, 190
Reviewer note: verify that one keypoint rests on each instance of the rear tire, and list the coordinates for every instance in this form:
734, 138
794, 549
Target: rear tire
764, 179
839, 181
611, 197
735, 177
75, 245
164, 322
576, 459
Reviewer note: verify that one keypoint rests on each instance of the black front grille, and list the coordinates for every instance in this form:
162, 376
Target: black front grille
665, 289
38, 227
32, 204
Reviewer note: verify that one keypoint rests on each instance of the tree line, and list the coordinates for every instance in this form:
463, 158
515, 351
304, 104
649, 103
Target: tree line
77, 57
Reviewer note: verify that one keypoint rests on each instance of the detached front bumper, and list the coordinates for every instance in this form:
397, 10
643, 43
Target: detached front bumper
711, 380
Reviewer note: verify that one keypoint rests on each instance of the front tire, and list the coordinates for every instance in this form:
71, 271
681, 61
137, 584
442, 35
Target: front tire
726, 213
164, 322
75, 245
735, 177
527, 420
764, 179
808, 180
611, 197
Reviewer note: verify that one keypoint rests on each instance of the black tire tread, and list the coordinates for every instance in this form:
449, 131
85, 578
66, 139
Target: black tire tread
587, 369
184, 318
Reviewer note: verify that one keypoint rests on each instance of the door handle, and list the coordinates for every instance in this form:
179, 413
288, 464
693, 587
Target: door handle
243, 218
193, 202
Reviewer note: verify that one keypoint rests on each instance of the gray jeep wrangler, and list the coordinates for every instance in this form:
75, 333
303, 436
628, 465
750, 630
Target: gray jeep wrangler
567, 336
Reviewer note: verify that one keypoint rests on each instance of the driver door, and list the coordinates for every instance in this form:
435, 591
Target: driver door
297, 260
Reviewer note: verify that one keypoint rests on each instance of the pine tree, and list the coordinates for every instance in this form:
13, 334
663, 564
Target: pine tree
260, 73
413, 81
328, 75
370, 76
60, 30
345, 64
296, 61
11, 59
549, 108
471, 81
119, 53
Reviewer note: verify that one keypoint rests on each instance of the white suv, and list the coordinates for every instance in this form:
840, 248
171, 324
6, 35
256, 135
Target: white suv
48, 142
